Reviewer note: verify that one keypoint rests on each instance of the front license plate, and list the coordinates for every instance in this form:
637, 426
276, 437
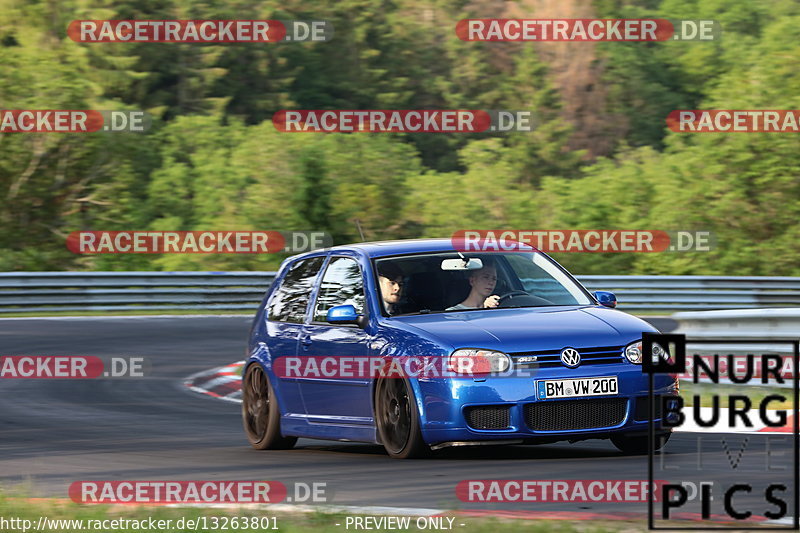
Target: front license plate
570, 388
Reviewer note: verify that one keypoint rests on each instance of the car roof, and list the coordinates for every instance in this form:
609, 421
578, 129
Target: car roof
407, 246
399, 247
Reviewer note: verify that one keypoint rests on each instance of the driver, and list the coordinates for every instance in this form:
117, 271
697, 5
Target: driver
390, 279
483, 282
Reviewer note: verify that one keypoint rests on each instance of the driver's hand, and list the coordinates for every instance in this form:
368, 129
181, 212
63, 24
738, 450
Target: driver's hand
492, 301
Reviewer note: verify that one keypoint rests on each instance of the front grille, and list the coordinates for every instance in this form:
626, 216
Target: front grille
488, 417
561, 415
552, 358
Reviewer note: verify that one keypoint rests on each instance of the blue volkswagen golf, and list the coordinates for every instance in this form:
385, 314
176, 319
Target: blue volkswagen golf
558, 362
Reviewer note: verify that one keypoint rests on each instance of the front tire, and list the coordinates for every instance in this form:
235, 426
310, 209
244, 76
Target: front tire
397, 419
638, 445
261, 415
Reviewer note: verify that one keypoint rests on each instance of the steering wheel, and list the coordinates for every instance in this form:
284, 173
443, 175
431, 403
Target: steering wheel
507, 296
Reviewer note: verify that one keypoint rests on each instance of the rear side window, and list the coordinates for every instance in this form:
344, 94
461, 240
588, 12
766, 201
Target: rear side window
341, 284
289, 302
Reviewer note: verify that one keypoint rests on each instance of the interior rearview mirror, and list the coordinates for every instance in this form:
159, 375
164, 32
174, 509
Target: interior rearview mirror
461, 264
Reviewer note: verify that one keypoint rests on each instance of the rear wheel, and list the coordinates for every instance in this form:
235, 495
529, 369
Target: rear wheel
261, 416
637, 445
397, 419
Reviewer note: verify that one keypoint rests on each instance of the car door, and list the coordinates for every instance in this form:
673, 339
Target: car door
286, 313
337, 399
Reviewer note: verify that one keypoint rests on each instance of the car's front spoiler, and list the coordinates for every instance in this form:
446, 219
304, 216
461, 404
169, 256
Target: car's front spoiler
454, 444
547, 439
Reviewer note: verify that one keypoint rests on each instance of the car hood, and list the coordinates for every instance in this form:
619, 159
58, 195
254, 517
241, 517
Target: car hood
517, 330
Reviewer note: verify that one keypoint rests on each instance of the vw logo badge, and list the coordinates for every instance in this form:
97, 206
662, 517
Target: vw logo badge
570, 357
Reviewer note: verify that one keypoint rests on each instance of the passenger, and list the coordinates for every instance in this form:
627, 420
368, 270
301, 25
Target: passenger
483, 282
390, 279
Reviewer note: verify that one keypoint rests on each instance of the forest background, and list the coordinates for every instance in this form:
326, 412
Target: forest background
600, 158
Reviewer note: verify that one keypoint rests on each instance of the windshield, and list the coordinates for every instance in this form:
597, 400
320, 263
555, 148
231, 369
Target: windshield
453, 282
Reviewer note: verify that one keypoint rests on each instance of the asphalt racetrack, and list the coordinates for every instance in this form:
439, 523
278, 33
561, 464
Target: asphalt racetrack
54, 432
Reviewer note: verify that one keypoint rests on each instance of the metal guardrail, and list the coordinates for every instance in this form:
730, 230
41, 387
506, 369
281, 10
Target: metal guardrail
136, 291
640, 293
757, 331
740, 325
131, 291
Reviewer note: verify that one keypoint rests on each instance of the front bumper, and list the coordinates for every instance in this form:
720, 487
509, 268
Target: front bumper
448, 407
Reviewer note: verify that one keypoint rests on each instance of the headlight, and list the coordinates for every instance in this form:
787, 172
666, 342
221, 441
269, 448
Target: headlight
633, 352
473, 361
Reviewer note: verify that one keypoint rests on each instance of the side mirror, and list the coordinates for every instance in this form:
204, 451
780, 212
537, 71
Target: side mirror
343, 314
606, 299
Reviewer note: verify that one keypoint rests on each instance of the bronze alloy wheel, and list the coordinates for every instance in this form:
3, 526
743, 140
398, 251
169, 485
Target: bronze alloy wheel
260, 412
397, 419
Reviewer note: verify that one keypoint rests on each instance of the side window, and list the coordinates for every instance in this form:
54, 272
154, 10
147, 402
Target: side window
289, 302
341, 284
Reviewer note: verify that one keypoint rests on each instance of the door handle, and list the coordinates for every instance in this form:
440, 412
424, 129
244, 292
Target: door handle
306, 341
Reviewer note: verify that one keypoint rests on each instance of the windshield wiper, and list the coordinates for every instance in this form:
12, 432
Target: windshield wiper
524, 306
412, 313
